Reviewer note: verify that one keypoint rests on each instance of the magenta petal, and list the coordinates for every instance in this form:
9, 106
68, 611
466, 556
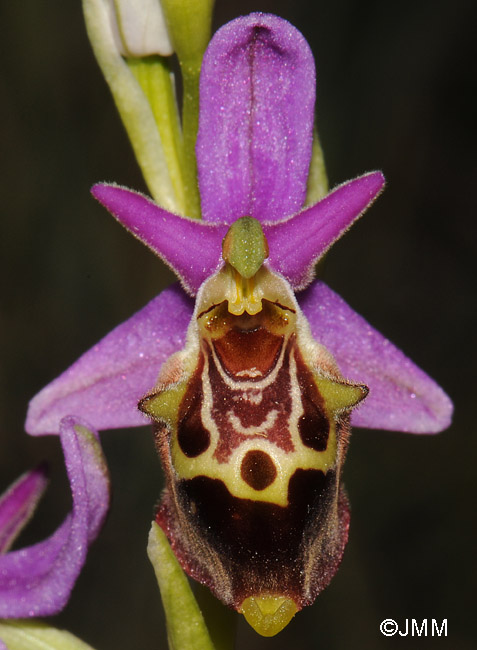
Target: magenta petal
37, 581
18, 503
297, 243
401, 396
192, 248
106, 383
257, 94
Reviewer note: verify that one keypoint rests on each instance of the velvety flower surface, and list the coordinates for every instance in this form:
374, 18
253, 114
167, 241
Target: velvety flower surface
37, 581
252, 414
254, 145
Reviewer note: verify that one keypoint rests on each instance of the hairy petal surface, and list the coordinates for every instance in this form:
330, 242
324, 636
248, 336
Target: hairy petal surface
401, 396
18, 503
190, 247
257, 95
37, 581
106, 383
297, 243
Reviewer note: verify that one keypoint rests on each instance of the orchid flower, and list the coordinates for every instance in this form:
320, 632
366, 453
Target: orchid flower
37, 581
252, 388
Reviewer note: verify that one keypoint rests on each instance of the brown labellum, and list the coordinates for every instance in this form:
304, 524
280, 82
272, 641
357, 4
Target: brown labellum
252, 429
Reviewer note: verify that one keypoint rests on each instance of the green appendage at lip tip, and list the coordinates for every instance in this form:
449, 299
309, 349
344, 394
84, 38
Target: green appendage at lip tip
245, 247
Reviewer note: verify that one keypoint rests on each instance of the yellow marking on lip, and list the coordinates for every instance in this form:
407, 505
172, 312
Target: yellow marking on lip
286, 463
268, 615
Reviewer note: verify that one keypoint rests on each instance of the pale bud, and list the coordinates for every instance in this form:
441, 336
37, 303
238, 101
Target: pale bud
139, 28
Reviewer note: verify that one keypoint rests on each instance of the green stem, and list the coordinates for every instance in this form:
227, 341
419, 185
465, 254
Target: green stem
153, 74
189, 24
186, 628
317, 186
190, 125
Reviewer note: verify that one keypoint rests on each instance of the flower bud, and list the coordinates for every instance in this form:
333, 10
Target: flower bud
139, 28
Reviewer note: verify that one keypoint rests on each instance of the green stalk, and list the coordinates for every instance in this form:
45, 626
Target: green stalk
189, 25
153, 74
317, 186
186, 628
190, 125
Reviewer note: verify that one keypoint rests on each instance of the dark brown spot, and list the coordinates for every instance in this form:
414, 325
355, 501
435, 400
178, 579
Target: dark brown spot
192, 436
314, 427
258, 469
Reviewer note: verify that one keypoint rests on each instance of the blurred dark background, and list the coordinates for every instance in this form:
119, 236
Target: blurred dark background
396, 91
